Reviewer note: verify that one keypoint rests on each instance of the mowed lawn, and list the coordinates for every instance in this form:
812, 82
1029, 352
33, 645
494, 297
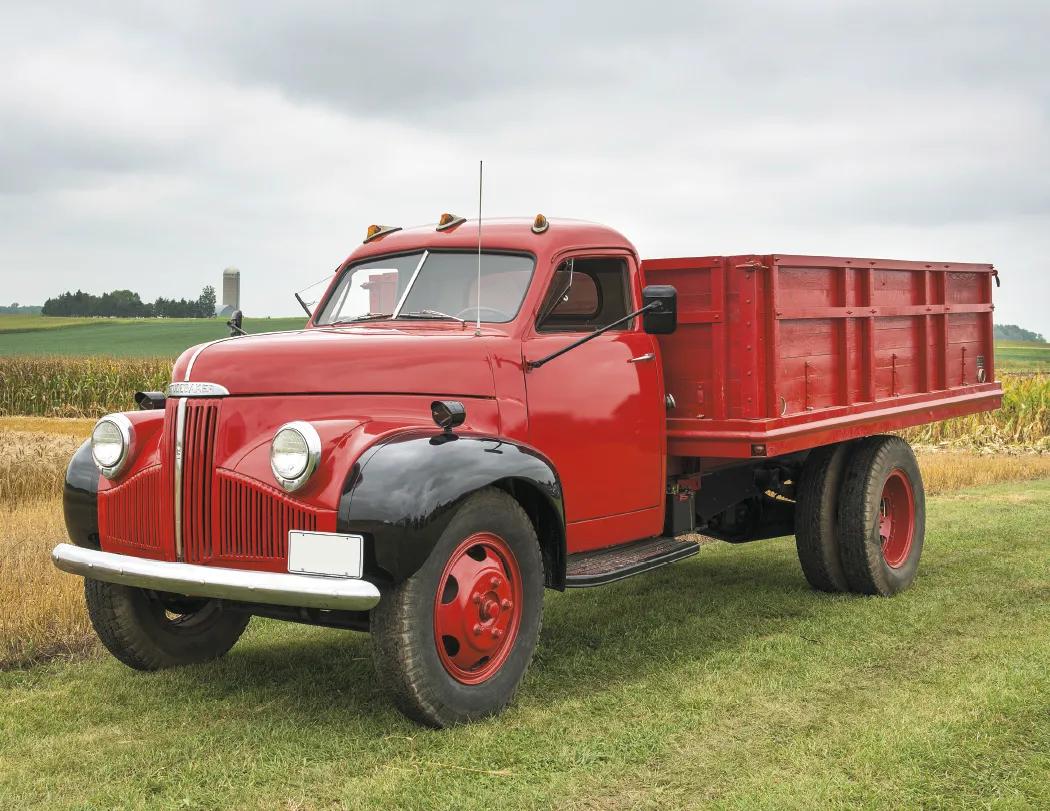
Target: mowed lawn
162, 337
720, 681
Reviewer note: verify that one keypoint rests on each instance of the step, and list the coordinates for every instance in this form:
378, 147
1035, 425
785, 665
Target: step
602, 566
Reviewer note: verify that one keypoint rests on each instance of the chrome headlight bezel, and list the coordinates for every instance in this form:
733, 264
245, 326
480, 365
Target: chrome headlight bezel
127, 438
313, 454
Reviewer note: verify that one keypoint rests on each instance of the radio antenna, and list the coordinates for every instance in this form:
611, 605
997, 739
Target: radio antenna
481, 169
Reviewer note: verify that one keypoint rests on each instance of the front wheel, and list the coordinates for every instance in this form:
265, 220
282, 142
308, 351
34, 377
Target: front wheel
149, 630
453, 642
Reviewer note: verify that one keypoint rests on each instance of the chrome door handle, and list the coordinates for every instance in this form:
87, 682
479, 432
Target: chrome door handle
640, 358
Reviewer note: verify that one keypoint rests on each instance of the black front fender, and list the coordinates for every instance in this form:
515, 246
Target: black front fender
403, 492
80, 498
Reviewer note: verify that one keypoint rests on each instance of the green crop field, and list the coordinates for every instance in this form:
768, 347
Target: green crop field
120, 337
1022, 356
167, 337
720, 681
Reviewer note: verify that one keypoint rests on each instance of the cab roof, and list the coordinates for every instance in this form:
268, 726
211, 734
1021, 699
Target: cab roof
505, 233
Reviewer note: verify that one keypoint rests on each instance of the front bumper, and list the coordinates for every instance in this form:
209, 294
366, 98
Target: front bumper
273, 588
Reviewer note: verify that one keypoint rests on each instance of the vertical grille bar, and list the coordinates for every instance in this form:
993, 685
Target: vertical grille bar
201, 422
127, 515
254, 520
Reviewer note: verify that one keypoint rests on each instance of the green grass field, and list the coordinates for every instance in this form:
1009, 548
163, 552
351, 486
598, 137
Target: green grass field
167, 337
1021, 356
720, 681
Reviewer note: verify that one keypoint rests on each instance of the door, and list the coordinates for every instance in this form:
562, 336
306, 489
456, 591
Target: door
597, 411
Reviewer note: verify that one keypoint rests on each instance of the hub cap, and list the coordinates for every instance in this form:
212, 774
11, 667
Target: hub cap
896, 519
477, 608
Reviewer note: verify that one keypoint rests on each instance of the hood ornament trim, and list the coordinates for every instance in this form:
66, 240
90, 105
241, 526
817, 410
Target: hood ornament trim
194, 389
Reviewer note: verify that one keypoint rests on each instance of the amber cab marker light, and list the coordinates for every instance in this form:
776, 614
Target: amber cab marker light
376, 231
449, 221
540, 224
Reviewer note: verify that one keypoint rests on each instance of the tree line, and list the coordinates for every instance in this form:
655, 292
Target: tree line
128, 304
1012, 332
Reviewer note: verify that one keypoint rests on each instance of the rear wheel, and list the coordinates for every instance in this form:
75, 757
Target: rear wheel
882, 517
453, 642
816, 529
149, 630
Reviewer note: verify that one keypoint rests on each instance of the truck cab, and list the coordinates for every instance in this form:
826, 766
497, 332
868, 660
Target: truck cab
476, 412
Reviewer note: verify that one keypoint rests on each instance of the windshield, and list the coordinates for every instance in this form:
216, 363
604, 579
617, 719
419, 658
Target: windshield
430, 285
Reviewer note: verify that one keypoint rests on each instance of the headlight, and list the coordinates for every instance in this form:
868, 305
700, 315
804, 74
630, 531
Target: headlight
295, 454
111, 444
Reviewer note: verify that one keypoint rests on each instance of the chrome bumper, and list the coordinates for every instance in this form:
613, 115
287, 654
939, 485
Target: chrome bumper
273, 588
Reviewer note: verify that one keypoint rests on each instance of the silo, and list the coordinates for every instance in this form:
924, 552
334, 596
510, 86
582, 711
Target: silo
231, 290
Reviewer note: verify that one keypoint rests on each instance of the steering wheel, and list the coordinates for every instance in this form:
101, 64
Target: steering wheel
500, 315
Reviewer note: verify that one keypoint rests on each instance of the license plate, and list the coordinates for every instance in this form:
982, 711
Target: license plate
325, 553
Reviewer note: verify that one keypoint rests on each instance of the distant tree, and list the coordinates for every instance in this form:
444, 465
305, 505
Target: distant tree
20, 309
128, 304
206, 303
1012, 332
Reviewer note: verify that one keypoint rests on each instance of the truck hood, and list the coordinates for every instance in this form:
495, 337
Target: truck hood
345, 361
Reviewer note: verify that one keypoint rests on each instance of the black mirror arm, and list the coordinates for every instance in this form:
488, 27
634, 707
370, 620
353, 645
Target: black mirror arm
536, 364
303, 305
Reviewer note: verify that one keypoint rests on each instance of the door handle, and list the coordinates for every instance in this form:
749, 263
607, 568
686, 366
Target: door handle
640, 358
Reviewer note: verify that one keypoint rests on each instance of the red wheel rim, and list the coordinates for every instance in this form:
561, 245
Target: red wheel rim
477, 608
896, 519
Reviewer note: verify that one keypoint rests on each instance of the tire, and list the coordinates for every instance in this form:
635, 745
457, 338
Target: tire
147, 630
882, 517
452, 643
816, 517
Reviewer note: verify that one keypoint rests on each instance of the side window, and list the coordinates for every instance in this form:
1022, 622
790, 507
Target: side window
586, 294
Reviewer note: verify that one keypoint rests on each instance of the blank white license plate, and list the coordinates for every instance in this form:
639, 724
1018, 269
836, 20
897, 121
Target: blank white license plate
325, 553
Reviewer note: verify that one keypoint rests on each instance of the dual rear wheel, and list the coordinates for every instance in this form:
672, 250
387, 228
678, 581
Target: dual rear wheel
860, 517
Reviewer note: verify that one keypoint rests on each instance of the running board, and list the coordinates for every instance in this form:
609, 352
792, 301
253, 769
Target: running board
617, 562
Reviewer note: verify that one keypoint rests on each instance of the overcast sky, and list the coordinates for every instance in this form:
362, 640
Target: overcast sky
148, 146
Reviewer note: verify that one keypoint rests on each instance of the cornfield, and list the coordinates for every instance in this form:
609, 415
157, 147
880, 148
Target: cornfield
77, 387
93, 386
1023, 421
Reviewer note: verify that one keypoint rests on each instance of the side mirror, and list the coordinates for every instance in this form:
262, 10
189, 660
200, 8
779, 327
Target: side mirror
236, 319
663, 318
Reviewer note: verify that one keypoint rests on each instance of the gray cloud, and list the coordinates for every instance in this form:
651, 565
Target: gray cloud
185, 137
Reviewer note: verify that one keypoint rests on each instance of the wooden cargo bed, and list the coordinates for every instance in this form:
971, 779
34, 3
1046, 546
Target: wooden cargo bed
779, 353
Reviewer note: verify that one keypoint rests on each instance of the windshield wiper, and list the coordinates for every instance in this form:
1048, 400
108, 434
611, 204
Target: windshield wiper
431, 314
365, 317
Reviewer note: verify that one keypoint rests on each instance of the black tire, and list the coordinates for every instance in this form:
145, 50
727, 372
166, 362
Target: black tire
816, 517
406, 653
149, 631
871, 467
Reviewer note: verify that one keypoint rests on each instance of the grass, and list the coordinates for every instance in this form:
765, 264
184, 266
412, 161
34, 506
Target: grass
719, 681
120, 337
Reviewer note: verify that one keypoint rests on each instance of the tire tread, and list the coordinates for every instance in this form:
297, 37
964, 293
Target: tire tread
399, 658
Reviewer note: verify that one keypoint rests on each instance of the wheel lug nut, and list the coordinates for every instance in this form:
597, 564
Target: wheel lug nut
506, 604
476, 598
496, 633
477, 629
495, 582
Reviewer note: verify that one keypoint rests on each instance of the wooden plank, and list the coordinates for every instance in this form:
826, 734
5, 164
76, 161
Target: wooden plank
772, 338
720, 357
797, 313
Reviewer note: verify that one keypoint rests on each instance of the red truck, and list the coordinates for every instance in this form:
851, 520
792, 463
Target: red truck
470, 417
